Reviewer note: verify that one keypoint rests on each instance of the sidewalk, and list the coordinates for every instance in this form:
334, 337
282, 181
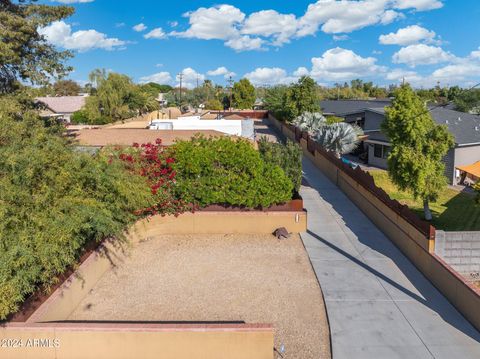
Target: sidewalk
379, 305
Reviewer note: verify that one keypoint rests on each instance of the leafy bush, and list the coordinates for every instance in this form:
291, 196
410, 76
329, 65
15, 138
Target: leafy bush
288, 157
227, 171
152, 161
53, 201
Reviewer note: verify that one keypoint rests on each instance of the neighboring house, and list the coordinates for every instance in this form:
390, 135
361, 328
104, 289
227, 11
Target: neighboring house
352, 110
61, 107
370, 114
464, 127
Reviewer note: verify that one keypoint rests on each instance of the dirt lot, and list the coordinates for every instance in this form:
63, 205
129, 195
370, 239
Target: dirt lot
256, 279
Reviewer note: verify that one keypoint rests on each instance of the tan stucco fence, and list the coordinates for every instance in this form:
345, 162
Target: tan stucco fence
146, 340
417, 246
128, 341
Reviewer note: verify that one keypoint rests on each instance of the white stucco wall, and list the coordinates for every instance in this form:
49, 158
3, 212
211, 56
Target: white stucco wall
231, 127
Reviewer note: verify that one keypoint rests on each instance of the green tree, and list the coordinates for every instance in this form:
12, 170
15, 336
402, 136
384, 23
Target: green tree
468, 101
302, 97
24, 53
275, 100
243, 94
97, 76
116, 98
418, 147
66, 88
213, 104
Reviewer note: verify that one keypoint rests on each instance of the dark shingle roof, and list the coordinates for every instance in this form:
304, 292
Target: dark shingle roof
341, 107
463, 126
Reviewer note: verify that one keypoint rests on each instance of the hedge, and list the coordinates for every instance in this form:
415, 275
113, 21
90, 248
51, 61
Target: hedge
221, 170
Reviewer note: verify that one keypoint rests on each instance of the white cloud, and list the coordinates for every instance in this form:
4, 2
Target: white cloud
269, 23
245, 43
266, 76
221, 71
419, 5
140, 27
344, 16
390, 16
173, 23
461, 71
340, 37
160, 78
342, 64
399, 75
60, 34
457, 72
155, 34
218, 22
407, 36
190, 78
270, 28
72, 1
421, 54
301, 71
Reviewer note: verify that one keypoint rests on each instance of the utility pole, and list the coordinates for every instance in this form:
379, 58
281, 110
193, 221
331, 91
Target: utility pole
197, 80
180, 78
230, 83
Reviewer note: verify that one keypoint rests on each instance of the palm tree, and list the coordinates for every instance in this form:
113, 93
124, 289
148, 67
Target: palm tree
340, 138
310, 122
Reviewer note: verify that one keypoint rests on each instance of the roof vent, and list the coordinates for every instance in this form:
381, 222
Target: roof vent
459, 118
476, 128
446, 121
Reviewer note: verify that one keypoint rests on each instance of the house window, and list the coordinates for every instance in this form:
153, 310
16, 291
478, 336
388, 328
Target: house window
381, 151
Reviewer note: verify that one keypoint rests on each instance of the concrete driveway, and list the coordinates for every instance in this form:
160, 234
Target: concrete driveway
379, 305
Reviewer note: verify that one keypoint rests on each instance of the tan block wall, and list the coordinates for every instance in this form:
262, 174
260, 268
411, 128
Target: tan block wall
90, 341
224, 222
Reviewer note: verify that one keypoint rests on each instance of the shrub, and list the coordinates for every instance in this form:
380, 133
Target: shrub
79, 117
228, 171
288, 157
53, 201
151, 160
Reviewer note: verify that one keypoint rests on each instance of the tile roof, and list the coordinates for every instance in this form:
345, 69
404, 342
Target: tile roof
63, 104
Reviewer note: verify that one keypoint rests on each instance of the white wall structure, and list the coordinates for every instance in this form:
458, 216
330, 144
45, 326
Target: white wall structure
230, 127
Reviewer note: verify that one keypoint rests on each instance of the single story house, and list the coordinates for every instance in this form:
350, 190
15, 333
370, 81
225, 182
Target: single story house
61, 107
463, 126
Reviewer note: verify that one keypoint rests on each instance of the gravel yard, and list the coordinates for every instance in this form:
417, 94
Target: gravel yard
251, 278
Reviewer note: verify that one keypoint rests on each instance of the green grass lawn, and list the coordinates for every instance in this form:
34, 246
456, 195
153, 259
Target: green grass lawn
454, 211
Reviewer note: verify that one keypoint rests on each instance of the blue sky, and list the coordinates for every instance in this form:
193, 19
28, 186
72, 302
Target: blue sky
271, 42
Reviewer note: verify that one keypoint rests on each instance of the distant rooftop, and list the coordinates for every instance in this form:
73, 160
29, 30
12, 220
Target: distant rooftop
341, 107
63, 104
463, 126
